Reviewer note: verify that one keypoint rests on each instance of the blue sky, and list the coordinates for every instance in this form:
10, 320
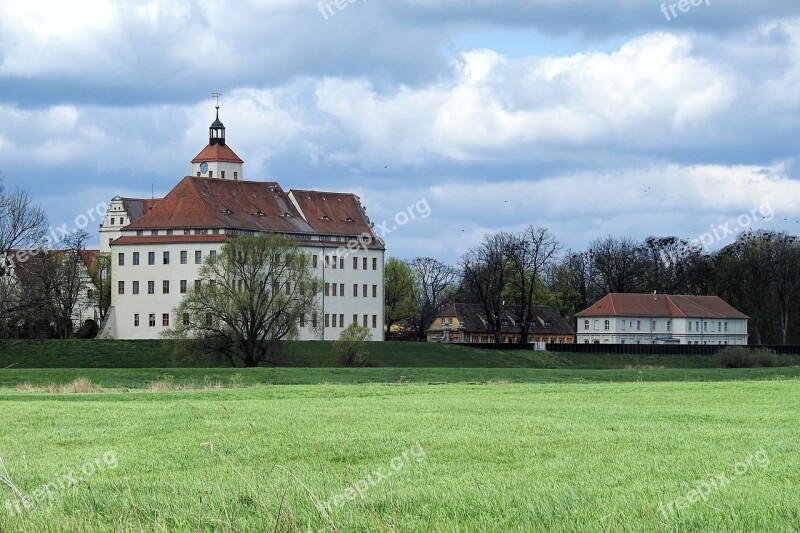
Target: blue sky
589, 117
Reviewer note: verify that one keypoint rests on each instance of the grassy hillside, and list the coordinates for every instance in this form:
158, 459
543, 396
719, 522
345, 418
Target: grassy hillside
320, 354
519, 457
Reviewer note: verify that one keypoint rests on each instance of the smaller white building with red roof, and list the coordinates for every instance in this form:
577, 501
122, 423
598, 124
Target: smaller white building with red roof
661, 319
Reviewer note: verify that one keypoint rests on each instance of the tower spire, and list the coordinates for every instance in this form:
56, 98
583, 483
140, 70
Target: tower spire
216, 133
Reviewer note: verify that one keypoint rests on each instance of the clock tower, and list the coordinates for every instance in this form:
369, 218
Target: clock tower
217, 160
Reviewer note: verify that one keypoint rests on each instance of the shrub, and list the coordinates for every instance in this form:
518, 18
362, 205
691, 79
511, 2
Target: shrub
88, 330
352, 346
744, 357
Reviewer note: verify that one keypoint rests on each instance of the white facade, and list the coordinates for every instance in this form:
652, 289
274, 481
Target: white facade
218, 170
111, 228
144, 295
661, 330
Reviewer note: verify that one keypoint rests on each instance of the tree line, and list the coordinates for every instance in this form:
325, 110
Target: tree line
758, 273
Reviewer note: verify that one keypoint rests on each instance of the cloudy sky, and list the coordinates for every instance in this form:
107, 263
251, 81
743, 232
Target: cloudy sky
590, 117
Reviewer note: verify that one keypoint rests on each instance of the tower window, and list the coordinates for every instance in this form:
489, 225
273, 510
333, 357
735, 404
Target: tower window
222, 174
210, 173
236, 177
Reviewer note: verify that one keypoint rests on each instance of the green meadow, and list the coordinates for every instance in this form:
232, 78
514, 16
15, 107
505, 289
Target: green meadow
400, 449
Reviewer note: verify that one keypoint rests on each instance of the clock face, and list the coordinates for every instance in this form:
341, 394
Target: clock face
203, 167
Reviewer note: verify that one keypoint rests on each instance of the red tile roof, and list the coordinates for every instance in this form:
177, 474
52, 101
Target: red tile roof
332, 213
217, 203
205, 203
217, 152
661, 305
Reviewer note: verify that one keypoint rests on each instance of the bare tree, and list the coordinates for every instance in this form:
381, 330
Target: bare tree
432, 282
620, 265
530, 253
486, 270
22, 224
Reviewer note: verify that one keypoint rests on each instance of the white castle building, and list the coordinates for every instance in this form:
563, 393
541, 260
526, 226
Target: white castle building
158, 245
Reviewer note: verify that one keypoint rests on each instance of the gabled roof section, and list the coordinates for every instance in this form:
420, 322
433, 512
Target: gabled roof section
332, 213
473, 318
225, 204
661, 305
217, 152
138, 207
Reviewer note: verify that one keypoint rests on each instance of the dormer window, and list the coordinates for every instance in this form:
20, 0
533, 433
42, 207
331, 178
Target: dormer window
259, 213
324, 217
348, 219
226, 211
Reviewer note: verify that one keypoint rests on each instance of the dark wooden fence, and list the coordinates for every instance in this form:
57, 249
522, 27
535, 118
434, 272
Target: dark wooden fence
640, 349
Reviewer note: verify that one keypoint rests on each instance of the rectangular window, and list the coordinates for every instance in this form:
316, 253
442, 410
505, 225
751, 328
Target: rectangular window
198, 284
213, 254
151, 287
374, 263
184, 257
719, 327
374, 321
222, 174
135, 287
364, 290
341, 289
154, 232
135, 258
121, 259
374, 291
185, 319
327, 261
183, 286
152, 320
327, 289
335, 289
726, 327
235, 175
327, 320
652, 325
355, 263
355, 290
355, 319
314, 319
341, 320
198, 257
607, 325
210, 173
669, 325
315, 261
364, 264
586, 325
112, 221
302, 321
165, 319
166, 258
165, 286
341, 263
136, 320
151, 258
638, 325
705, 326
120, 287
169, 232
366, 319
334, 262
690, 326
139, 232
